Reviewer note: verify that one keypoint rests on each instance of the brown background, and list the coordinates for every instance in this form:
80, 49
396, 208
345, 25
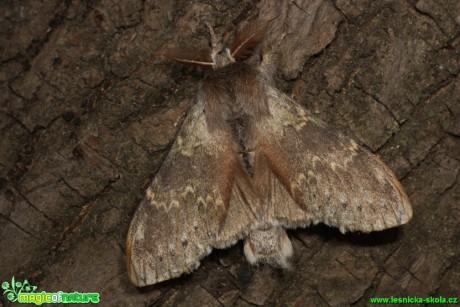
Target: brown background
89, 110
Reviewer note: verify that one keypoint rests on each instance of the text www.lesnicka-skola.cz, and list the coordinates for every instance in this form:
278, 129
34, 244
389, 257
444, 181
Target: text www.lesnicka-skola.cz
414, 300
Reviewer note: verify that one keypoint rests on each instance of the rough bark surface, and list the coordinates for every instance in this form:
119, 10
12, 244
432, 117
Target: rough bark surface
89, 110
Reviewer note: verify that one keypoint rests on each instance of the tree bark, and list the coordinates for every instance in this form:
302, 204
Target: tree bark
89, 109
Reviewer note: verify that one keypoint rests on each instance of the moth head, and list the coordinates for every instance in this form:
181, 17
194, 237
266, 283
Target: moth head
222, 58
242, 47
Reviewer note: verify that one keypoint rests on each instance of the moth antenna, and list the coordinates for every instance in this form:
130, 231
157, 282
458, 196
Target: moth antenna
192, 62
190, 57
246, 39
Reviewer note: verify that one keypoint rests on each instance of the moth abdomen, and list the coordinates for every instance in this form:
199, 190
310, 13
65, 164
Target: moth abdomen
268, 244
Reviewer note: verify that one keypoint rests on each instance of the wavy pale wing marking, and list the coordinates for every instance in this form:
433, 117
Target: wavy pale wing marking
330, 177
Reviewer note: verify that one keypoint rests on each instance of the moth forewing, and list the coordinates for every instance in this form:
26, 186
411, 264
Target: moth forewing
331, 177
201, 198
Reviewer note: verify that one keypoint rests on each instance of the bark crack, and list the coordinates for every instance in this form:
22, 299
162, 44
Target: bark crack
19, 227
346, 269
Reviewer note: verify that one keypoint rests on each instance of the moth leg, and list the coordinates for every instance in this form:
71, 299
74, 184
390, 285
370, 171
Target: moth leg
268, 63
215, 42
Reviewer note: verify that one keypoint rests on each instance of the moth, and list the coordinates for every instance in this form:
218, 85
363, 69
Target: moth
249, 163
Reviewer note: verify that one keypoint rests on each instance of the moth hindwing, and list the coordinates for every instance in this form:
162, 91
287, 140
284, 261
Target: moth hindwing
249, 162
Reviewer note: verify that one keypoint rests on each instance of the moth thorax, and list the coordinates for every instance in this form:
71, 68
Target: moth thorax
268, 244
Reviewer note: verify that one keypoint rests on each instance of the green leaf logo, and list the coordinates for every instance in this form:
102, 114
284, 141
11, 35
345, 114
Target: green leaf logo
5, 285
13, 289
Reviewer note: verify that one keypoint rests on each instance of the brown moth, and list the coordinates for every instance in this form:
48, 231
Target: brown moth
248, 163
